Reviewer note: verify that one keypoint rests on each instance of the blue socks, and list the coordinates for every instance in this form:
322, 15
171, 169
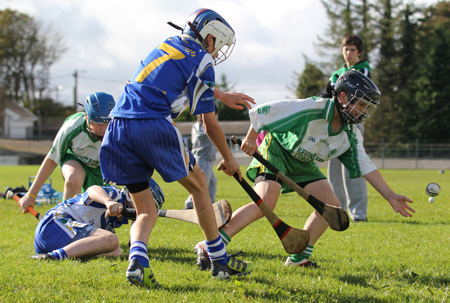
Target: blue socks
59, 254
138, 250
217, 251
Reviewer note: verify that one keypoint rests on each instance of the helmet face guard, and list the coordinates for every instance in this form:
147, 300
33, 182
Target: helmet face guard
224, 40
359, 108
363, 97
204, 22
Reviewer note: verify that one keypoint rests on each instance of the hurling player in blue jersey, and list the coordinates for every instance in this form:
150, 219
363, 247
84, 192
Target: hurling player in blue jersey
142, 137
83, 226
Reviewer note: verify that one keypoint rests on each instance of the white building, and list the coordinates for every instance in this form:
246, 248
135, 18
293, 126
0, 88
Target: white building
18, 121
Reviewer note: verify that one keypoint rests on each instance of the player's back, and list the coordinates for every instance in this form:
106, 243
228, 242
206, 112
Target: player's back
162, 78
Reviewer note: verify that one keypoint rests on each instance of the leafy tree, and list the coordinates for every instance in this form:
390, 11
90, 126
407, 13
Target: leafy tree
311, 81
26, 54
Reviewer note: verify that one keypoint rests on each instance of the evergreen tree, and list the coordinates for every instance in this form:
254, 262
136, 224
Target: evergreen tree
432, 82
311, 81
385, 74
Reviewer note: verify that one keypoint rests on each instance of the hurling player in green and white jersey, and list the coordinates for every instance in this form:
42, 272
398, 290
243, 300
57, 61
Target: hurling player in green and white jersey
76, 150
300, 132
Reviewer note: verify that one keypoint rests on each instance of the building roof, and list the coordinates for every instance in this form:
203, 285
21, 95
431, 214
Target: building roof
19, 110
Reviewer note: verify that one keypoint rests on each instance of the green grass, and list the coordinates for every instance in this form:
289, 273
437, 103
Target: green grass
388, 259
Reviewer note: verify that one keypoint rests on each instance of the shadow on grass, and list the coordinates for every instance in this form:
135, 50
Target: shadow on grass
410, 277
410, 222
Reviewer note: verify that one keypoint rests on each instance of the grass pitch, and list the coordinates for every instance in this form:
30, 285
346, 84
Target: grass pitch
388, 259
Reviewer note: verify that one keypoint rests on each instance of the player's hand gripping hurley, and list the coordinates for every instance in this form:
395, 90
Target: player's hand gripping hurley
336, 217
294, 240
30, 209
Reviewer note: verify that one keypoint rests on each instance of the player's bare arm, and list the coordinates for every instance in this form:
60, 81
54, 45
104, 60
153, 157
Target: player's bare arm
45, 170
98, 194
248, 145
234, 100
398, 202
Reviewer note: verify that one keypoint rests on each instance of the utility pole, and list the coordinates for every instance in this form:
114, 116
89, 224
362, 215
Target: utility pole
75, 90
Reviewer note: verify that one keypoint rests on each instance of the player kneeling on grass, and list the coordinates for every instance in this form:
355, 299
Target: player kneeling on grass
299, 133
76, 150
142, 137
83, 225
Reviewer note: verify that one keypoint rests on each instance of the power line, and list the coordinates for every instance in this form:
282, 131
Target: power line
103, 79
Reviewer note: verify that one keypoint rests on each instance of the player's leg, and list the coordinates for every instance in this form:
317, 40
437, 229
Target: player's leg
336, 173
126, 148
73, 174
357, 197
138, 271
268, 190
65, 238
222, 266
357, 192
98, 242
315, 225
196, 184
207, 167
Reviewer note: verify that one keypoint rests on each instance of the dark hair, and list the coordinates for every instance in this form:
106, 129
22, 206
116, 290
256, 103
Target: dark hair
353, 40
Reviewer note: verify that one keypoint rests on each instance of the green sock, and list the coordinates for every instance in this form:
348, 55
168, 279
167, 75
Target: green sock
225, 238
303, 255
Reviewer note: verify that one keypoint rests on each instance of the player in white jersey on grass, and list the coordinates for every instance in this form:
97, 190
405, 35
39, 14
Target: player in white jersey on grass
76, 150
302, 131
142, 137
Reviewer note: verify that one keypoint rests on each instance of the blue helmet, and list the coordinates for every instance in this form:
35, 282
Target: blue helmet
204, 22
98, 107
157, 193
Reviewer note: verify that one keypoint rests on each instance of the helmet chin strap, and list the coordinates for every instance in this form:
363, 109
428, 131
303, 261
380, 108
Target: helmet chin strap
199, 37
94, 135
344, 117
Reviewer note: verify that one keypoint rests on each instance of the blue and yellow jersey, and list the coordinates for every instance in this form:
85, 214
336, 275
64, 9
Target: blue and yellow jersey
175, 75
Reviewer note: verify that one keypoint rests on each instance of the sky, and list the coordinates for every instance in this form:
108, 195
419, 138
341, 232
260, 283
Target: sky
107, 39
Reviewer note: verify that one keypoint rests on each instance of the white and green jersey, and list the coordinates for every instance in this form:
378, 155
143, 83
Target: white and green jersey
74, 141
302, 127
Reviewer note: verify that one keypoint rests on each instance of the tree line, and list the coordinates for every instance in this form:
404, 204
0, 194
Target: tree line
406, 44
408, 49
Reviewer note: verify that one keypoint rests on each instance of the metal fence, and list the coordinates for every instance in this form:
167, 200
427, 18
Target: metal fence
408, 151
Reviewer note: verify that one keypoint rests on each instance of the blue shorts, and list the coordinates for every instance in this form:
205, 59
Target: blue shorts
133, 148
57, 230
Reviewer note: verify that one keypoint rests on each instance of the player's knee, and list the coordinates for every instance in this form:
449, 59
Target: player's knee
73, 183
111, 242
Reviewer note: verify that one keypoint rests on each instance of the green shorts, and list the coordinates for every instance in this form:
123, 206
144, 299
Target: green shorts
93, 176
296, 170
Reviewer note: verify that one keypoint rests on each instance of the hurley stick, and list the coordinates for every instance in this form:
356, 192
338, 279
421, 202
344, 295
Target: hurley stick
30, 209
222, 211
294, 240
336, 217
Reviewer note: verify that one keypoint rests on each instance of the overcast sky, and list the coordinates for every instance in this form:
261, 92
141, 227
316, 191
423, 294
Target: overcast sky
107, 39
